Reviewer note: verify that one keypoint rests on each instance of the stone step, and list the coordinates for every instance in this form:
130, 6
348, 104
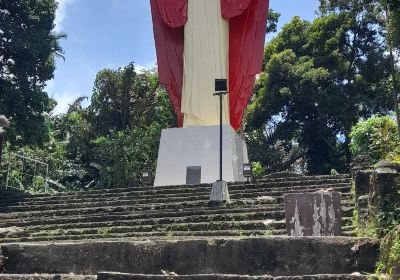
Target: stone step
272, 218
296, 178
158, 235
4, 195
278, 256
163, 192
278, 197
127, 276
157, 194
20, 219
272, 227
128, 209
47, 277
163, 216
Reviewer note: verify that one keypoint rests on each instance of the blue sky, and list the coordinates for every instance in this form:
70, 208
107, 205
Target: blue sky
111, 33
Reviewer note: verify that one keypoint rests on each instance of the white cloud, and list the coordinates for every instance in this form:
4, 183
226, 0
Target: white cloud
64, 99
61, 13
147, 66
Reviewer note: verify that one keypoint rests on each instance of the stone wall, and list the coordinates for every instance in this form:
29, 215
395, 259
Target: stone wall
252, 256
377, 192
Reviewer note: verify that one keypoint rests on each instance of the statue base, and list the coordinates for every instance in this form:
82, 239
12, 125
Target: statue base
183, 150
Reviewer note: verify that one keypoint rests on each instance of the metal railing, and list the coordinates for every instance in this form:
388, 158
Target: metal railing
29, 170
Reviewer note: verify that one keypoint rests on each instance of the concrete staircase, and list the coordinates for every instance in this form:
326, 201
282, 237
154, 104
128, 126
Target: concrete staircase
109, 230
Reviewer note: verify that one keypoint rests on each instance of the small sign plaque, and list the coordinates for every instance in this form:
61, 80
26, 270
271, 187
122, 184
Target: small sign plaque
193, 175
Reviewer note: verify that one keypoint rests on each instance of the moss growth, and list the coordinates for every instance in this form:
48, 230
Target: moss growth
390, 253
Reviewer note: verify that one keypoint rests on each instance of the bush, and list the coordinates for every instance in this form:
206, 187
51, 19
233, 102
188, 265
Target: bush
258, 169
375, 137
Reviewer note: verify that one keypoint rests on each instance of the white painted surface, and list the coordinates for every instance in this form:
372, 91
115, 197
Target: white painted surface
199, 146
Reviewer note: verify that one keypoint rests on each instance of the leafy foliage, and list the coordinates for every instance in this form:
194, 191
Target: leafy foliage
376, 137
319, 78
27, 50
257, 169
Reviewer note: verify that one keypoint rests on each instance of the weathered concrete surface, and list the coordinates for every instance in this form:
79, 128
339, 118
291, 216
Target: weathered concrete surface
384, 185
46, 277
124, 276
252, 256
220, 192
362, 182
363, 211
313, 214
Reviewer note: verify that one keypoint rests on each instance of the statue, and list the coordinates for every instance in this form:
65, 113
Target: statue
198, 41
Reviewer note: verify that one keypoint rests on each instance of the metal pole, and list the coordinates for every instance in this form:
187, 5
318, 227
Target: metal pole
220, 137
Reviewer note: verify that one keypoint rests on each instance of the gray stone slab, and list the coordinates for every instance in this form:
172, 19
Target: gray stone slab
219, 192
193, 175
255, 256
313, 214
181, 148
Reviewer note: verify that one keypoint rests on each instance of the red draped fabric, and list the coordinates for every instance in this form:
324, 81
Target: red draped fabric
247, 23
247, 26
169, 18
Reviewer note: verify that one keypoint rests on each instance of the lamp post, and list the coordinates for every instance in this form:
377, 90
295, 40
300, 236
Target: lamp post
221, 88
146, 178
219, 192
247, 171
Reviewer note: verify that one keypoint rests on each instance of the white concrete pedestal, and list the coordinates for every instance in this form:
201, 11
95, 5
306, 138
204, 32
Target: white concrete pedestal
199, 146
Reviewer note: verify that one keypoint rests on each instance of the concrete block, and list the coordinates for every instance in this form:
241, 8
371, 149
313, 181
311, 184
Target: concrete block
313, 214
219, 192
181, 148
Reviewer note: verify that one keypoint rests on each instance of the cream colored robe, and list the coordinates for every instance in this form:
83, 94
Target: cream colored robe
205, 59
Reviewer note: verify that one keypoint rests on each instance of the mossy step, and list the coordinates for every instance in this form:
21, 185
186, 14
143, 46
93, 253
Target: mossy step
304, 177
157, 194
278, 196
47, 277
98, 217
255, 185
157, 235
126, 276
200, 205
265, 217
229, 213
165, 191
205, 227
179, 188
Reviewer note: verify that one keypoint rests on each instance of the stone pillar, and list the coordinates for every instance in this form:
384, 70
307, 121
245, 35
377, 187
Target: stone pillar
384, 184
362, 182
384, 192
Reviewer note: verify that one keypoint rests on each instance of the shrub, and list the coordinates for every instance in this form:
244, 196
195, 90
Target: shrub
375, 137
257, 169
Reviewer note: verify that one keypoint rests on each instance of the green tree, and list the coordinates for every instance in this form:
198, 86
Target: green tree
117, 136
272, 21
319, 79
27, 50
